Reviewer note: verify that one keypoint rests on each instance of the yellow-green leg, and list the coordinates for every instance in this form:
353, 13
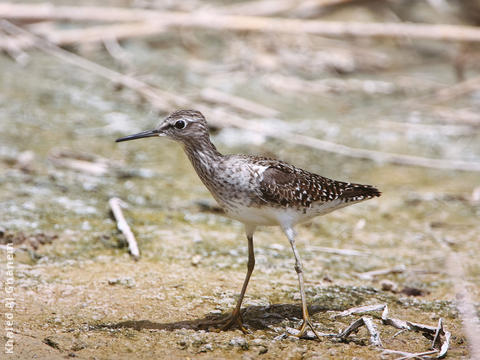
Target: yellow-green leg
299, 269
236, 316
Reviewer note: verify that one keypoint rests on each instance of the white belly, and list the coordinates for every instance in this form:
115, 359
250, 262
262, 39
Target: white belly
273, 216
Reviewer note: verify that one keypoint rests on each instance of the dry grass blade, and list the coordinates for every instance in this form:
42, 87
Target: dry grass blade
369, 275
420, 355
445, 346
101, 33
13, 49
242, 23
82, 162
455, 91
408, 355
118, 53
122, 225
361, 310
422, 328
438, 332
257, 8
397, 323
346, 252
217, 96
372, 329
351, 328
455, 116
273, 7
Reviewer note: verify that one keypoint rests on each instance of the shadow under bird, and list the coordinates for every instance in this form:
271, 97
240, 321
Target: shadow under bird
257, 191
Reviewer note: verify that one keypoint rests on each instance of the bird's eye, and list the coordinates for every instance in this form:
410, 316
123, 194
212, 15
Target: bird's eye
180, 124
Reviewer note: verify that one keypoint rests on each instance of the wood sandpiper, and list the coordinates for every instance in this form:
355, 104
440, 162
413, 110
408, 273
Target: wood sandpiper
258, 191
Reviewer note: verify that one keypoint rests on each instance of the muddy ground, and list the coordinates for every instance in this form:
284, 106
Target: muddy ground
79, 294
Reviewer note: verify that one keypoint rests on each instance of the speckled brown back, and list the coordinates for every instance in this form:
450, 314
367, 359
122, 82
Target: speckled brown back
288, 186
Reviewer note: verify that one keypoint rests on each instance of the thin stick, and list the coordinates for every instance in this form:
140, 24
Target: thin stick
407, 355
118, 53
369, 275
454, 91
13, 49
217, 96
346, 252
102, 32
258, 7
419, 355
361, 310
272, 7
372, 329
446, 345
163, 100
351, 328
242, 23
89, 167
122, 225
436, 338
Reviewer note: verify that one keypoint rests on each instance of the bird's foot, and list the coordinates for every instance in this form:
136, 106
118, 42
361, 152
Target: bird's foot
303, 329
234, 319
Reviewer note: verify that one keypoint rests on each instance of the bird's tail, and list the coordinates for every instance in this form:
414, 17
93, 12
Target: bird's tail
359, 192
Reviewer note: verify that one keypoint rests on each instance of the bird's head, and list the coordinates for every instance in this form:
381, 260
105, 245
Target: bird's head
182, 125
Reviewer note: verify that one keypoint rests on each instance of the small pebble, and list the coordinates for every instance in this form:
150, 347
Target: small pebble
196, 259
240, 342
388, 285
205, 348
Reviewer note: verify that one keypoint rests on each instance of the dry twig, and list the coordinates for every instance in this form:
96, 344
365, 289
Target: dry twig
454, 91
372, 329
369, 275
351, 328
118, 53
122, 225
241, 23
82, 162
407, 355
13, 49
217, 96
101, 33
273, 7
346, 252
360, 310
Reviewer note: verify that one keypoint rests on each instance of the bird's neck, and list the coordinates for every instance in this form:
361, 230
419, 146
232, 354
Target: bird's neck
202, 154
